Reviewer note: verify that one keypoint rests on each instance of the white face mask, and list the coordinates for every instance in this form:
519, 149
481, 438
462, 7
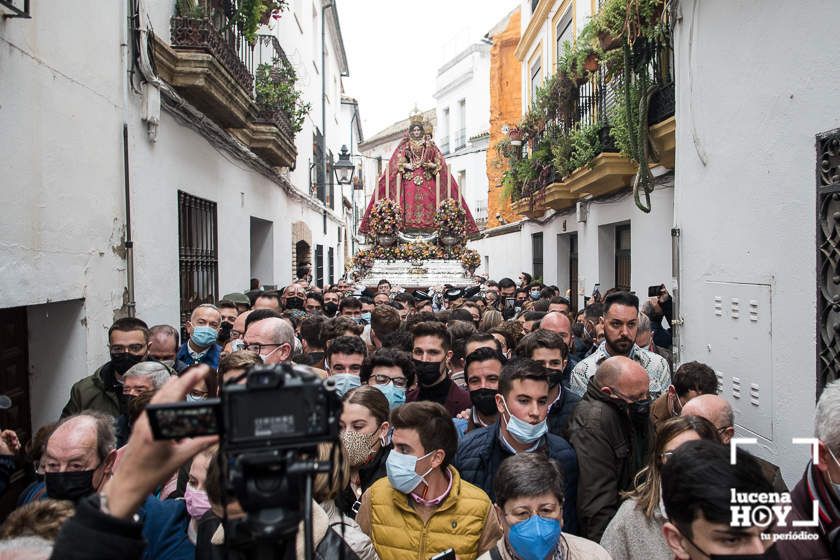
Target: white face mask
836, 485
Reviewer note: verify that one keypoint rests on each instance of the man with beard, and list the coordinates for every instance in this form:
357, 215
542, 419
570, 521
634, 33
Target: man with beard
128, 344
229, 313
621, 322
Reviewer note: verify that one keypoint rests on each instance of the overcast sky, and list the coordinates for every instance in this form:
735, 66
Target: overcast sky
394, 48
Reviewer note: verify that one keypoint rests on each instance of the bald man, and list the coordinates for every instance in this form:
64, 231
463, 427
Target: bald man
610, 431
718, 411
272, 338
79, 456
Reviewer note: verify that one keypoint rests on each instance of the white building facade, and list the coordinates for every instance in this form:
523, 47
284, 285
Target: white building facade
214, 195
463, 122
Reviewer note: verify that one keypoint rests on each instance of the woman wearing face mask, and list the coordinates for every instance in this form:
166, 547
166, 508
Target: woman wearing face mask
195, 495
529, 501
364, 432
207, 388
635, 533
391, 371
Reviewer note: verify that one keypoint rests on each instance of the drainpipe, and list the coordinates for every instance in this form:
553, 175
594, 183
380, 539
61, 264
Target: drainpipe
352, 189
324, 8
676, 322
129, 243
131, 306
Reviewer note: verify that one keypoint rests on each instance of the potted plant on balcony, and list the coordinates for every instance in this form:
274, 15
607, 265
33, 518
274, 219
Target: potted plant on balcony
276, 96
250, 14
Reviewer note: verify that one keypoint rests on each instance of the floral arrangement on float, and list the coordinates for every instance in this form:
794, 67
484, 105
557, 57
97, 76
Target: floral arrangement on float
470, 260
450, 220
384, 222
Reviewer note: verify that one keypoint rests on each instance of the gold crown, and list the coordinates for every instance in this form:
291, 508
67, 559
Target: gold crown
416, 118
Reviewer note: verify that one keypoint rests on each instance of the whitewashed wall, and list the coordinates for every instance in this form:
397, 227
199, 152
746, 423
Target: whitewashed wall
745, 203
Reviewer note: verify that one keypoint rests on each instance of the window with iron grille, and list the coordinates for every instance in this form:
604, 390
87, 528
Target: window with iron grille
537, 252
622, 257
331, 266
198, 255
319, 265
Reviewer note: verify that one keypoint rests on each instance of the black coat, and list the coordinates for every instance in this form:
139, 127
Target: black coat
480, 454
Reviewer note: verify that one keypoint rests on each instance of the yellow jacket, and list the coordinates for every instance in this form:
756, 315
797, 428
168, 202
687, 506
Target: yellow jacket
465, 521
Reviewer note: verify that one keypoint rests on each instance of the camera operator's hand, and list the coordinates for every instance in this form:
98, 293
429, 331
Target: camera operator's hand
148, 462
9, 443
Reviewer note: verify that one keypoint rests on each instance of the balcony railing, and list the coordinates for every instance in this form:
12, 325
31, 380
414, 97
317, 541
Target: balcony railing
460, 139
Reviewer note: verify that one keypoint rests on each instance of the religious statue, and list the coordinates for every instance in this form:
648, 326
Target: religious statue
418, 179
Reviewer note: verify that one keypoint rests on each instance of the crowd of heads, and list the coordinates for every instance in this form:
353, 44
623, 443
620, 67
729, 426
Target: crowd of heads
421, 374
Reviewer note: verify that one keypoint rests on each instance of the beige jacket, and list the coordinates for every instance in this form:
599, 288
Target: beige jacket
574, 548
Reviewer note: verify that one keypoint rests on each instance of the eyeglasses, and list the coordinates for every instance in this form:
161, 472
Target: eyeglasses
199, 394
380, 379
666, 455
121, 349
545, 513
257, 347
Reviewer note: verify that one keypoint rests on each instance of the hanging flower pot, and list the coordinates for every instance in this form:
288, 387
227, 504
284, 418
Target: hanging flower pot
591, 62
515, 135
608, 41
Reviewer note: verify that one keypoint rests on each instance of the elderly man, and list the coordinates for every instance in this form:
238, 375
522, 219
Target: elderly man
610, 430
164, 341
620, 322
128, 343
821, 480
294, 296
145, 377
79, 456
719, 412
203, 330
272, 338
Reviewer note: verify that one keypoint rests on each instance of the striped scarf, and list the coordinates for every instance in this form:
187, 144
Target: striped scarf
829, 504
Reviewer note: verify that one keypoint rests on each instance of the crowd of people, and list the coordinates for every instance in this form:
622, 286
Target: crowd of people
488, 422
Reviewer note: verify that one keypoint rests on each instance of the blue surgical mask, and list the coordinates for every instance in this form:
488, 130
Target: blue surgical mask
193, 398
535, 294
203, 336
366, 317
401, 471
524, 432
344, 382
395, 395
534, 538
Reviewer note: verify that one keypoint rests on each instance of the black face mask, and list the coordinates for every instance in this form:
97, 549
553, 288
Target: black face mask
484, 401
555, 376
123, 362
640, 410
330, 308
427, 372
294, 303
224, 332
71, 486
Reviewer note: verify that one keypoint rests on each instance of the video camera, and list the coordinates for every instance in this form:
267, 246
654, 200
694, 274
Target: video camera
270, 428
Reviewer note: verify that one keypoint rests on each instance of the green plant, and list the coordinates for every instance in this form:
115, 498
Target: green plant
624, 123
189, 9
274, 86
250, 14
586, 144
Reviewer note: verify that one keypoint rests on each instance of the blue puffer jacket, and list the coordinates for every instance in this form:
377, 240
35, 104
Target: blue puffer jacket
165, 530
480, 453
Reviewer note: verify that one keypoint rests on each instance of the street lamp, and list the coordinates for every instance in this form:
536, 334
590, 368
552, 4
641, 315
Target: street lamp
344, 168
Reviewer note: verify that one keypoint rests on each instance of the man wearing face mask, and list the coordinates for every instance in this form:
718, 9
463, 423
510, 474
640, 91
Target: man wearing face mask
522, 405
431, 350
482, 368
203, 332
416, 511
272, 338
620, 323
294, 297
548, 349
691, 380
698, 481
610, 429
391, 371
343, 361
128, 343
331, 301
229, 313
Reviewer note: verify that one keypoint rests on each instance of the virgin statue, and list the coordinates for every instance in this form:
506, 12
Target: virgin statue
418, 179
